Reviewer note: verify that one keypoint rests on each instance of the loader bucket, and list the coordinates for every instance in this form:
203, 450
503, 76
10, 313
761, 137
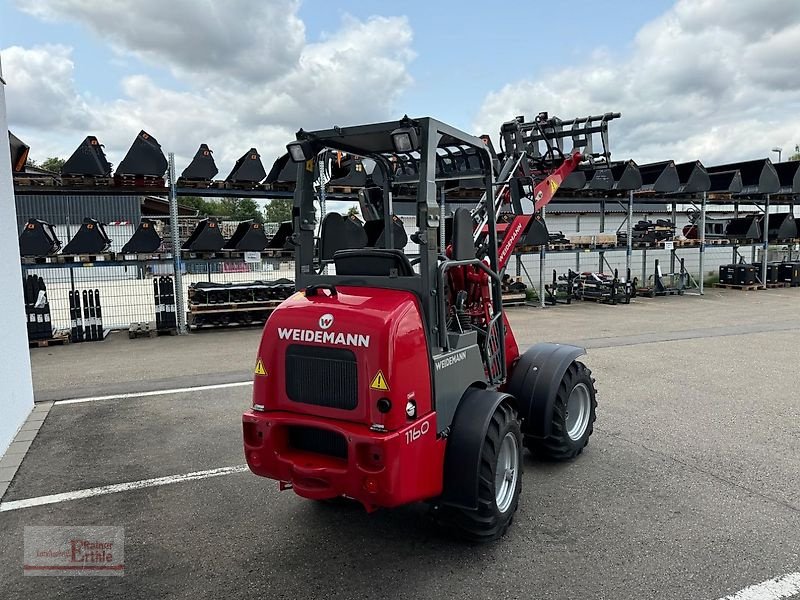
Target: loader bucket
283, 170
144, 158
659, 177
340, 233
280, 240
374, 230
725, 182
599, 179
206, 237
19, 153
626, 176
693, 178
88, 160
348, 171
574, 181
248, 169
91, 238
758, 176
744, 228
782, 227
38, 238
789, 176
202, 166
248, 237
537, 234
144, 239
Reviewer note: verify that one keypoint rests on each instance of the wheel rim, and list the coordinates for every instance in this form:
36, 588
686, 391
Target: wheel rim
506, 472
578, 408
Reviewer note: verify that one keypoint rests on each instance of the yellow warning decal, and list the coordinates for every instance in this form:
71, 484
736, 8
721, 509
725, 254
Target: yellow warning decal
260, 370
379, 382
553, 185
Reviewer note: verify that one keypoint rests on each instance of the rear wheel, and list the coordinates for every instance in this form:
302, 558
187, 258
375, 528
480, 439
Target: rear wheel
499, 483
573, 416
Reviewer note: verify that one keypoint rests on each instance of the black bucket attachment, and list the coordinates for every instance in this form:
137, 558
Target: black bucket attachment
789, 176
144, 158
782, 227
744, 228
280, 240
340, 233
725, 182
19, 153
91, 238
248, 237
537, 234
284, 170
600, 179
248, 169
206, 237
660, 177
145, 239
88, 160
38, 238
758, 176
347, 171
202, 167
626, 176
375, 238
574, 181
693, 178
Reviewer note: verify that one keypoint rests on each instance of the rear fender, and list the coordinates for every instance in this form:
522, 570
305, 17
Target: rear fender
464, 445
534, 383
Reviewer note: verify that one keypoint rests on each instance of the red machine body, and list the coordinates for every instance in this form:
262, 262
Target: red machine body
389, 458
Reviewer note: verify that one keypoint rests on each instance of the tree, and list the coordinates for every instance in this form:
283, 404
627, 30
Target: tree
796, 155
235, 209
352, 211
278, 211
52, 163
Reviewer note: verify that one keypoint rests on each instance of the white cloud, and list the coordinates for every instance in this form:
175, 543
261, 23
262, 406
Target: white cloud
249, 78
709, 79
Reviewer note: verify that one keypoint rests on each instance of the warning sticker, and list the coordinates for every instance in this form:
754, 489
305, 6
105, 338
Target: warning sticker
379, 382
260, 370
553, 185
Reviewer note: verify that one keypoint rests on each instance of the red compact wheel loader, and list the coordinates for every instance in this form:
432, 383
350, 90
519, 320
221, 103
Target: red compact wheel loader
388, 380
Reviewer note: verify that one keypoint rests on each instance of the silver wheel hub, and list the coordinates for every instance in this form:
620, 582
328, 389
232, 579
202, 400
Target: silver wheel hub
506, 472
578, 409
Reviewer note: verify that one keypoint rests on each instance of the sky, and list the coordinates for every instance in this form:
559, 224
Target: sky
714, 80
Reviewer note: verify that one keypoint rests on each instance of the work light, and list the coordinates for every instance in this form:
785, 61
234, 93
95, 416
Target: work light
300, 151
404, 139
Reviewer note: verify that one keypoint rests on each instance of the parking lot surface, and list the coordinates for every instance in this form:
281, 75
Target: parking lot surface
689, 488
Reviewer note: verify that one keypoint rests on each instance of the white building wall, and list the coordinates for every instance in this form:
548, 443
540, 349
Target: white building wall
16, 400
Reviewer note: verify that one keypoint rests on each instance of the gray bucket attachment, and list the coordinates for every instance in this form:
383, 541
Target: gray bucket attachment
744, 228
206, 237
693, 178
789, 176
758, 176
659, 177
280, 240
340, 233
782, 227
91, 238
600, 179
248, 169
88, 160
145, 239
202, 167
537, 234
626, 176
723, 182
144, 158
38, 238
574, 181
375, 237
248, 237
19, 153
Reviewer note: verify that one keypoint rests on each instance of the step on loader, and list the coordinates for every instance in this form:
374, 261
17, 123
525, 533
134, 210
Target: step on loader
389, 379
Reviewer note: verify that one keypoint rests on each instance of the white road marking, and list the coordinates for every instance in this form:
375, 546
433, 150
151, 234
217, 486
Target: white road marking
185, 390
118, 487
772, 589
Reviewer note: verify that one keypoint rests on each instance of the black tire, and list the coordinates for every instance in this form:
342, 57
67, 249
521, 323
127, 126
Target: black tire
559, 445
488, 522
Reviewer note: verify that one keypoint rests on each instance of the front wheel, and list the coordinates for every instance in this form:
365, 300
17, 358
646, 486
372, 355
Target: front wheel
574, 413
499, 484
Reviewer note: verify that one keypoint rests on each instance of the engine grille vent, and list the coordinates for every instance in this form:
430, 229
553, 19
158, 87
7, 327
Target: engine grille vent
322, 376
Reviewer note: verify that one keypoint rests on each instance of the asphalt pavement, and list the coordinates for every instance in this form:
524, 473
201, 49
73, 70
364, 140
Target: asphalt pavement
689, 488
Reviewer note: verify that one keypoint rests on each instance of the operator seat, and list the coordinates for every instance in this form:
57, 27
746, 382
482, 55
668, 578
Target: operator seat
372, 262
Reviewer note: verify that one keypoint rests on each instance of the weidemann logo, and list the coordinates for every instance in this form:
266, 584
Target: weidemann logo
324, 337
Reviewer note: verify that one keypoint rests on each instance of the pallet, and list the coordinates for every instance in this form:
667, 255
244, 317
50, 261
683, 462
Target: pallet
194, 183
514, 298
557, 247
60, 338
237, 185
86, 181
147, 329
234, 307
140, 181
34, 181
745, 288
777, 286
342, 189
